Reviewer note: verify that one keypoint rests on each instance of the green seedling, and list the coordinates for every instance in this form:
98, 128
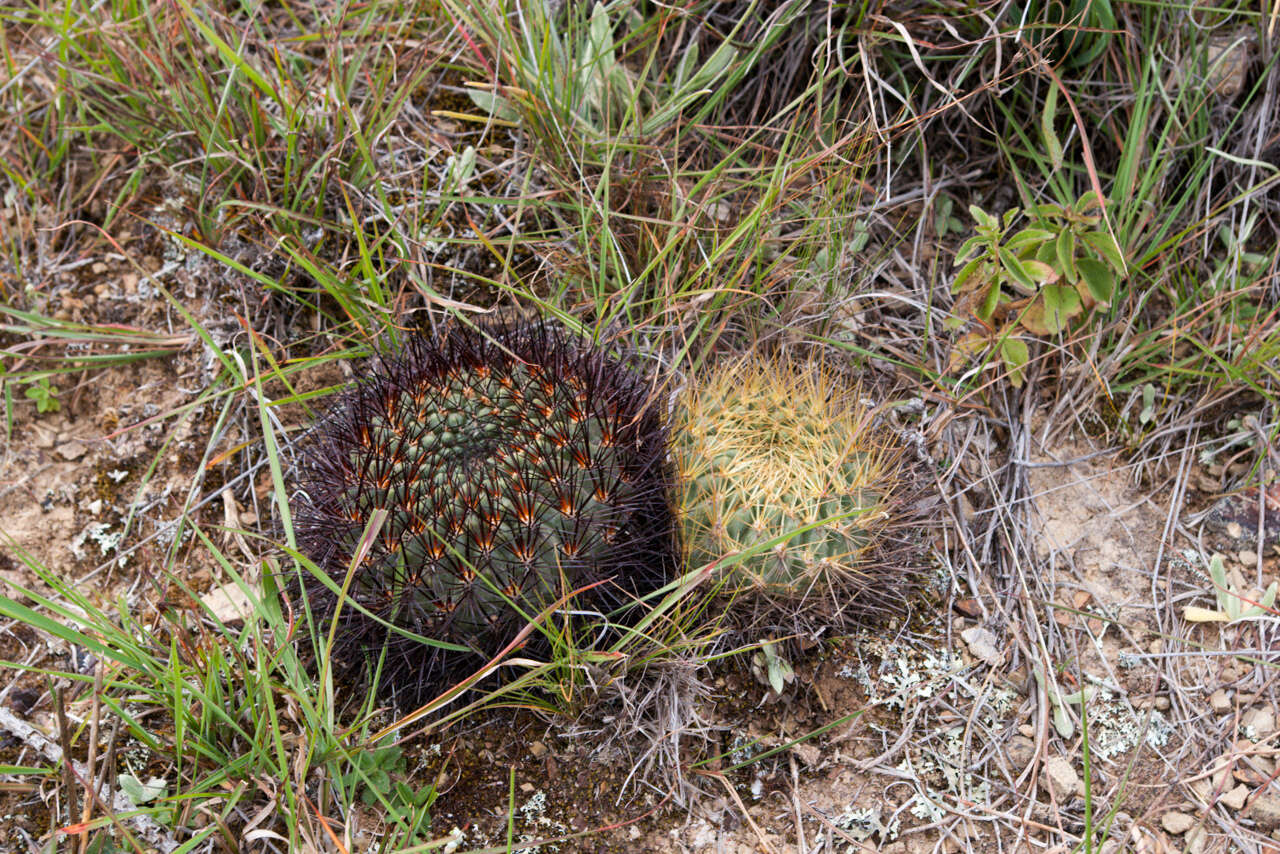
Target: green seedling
1232, 604
45, 395
945, 221
1038, 281
375, 775
771, 668
1059, 701
585, 79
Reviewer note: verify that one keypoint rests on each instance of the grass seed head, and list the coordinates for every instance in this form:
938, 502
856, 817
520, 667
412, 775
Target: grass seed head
516, 464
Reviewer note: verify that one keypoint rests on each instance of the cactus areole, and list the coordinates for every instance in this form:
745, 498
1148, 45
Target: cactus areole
515, 464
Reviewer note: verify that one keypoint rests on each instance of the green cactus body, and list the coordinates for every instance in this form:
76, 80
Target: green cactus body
521, 489
765, 452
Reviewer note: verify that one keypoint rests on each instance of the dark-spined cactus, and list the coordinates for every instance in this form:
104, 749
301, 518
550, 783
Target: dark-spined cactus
516, 463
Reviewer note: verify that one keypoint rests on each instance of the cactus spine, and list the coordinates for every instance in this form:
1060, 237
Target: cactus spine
765, 451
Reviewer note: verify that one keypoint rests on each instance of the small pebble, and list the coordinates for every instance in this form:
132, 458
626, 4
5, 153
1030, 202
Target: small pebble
72, 450
1262, 720
1235, 798
1062, 778
1177, 823
1021, 751
1265, 810
984, 645
1220, 701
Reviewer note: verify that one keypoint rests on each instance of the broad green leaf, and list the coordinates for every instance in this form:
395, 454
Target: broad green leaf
965, 274
1049, 210
942, 215
1028, 236
1061, 303
1098, 278
1051, 142
990, 301
600, 39
1039, 270
141, 793
597, 70
1269, 597
493, 105
1089, 201
1015, 355
1062, 721
1218, 574
691, 90
1148, 404
715, 66
968, 249
780, 673
1105, 246
1017, 272
983, 218
1066, 251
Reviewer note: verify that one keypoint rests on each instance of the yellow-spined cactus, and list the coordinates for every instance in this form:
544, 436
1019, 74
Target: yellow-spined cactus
783, 452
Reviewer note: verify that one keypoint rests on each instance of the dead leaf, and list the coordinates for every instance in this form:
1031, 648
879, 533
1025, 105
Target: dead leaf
984, 645
228, 603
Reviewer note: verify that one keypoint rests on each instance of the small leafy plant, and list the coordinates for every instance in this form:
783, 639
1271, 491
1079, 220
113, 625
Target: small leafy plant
769, 667
45, 395
1038, 281
945, 220
584, 79
1232, 604
1059, 701
376, 774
